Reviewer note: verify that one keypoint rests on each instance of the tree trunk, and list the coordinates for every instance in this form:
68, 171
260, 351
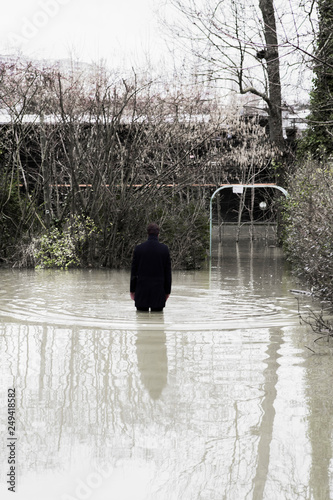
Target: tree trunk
273, 72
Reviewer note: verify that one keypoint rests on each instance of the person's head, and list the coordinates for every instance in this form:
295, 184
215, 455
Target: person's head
153, 229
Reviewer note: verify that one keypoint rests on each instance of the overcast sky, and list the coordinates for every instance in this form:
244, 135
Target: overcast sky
115, 30
124, 33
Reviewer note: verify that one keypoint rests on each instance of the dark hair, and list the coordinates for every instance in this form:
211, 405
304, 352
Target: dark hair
153, 229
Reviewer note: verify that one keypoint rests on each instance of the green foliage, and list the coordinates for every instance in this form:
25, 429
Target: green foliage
64, 249
317, 140
308, 217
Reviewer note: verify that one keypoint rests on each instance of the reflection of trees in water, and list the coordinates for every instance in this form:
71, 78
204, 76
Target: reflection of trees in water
199, 406
265, 430
73, 386
319, 396
77, 385
102, 390
219, 388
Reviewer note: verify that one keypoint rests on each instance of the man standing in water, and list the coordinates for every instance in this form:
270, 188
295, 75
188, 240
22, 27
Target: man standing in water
150, 285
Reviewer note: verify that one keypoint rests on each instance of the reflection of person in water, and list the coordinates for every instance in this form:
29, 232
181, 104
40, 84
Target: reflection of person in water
150, 284
152, 361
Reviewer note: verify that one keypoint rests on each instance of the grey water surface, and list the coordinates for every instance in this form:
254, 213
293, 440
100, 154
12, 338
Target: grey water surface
218, 397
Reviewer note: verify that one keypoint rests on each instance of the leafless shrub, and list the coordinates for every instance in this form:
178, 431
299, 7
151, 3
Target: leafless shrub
89, 142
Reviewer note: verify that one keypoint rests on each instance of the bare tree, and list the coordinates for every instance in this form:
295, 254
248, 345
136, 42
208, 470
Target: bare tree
245, 45
18, 200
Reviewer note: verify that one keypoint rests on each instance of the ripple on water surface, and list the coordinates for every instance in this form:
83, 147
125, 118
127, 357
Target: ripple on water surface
100, 299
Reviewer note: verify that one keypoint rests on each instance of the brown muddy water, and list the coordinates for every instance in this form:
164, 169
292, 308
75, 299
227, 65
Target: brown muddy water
217, 398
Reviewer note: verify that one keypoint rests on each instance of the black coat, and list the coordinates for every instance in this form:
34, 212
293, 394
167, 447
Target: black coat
151, 274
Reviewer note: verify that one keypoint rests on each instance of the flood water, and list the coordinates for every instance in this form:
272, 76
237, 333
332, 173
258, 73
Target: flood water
218, 397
